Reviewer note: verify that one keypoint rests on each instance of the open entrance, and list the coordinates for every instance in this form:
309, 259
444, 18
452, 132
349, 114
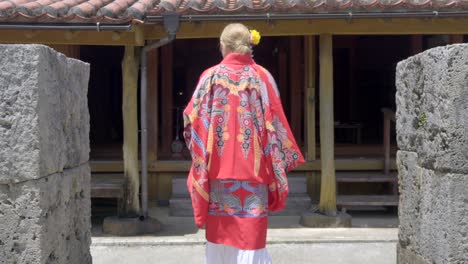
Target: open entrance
364, 84
105, 100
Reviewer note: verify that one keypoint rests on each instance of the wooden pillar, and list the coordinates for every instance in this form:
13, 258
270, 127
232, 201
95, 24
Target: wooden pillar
327, 203
167, 99
152, 118
313, 178
130, 61
416, 44
455, 39
295, 96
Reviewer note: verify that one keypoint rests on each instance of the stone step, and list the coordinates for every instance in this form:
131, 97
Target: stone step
367, 200
107, 185
366, 176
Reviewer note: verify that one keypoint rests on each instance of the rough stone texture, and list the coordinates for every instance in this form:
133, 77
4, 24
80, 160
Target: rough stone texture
45, 204
47, 220
433, 211
44, 119
297, 201
432, 112
408, 257
432, 133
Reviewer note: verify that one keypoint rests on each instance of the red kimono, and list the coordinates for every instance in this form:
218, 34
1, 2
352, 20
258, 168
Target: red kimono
241, 147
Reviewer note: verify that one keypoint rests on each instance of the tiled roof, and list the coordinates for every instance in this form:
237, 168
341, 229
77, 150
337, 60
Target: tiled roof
125, 11
304, 6
75, 11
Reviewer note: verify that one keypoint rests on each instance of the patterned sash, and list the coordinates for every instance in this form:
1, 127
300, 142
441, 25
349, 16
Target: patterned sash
238, 198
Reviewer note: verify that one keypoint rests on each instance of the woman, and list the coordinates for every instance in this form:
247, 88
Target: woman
241, 147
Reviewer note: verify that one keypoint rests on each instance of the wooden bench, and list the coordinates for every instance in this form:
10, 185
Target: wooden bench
108, 185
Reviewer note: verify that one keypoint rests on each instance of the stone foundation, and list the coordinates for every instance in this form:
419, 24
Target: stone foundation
47, 220
432, 134
44, 152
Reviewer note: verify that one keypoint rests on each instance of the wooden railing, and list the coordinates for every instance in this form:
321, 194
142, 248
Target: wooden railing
389, 116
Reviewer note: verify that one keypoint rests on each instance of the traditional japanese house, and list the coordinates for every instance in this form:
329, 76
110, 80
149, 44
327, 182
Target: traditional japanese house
334, 62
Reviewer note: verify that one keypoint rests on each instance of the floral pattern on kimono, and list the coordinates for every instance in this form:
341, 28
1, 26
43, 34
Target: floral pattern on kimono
236, 130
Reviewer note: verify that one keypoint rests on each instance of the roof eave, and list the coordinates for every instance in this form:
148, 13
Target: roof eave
152, 19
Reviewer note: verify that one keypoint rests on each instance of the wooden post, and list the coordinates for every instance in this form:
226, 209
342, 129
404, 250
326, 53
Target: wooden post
386, 144
131, 205
313, 178
295, 87
388, 116
167, 101
327, 203
152, 118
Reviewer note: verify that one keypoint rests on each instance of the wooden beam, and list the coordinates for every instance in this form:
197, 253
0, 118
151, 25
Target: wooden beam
295, 95
368, 26
167, 63
67, 37
131, 204
139, 34
327, 203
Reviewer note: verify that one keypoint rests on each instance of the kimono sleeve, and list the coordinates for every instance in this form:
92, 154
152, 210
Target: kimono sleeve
196, 129
281, 151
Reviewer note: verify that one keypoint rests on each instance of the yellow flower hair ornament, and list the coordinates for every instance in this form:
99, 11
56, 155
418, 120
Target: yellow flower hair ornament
254, 37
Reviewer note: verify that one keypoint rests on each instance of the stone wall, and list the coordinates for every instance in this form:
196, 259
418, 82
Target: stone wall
44, 153
432, 135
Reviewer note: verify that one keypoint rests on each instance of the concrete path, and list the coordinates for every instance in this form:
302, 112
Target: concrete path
180, 241
330, 246
310, 253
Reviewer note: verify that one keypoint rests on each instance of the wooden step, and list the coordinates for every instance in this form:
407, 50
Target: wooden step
367, 200
363, 176
107, 185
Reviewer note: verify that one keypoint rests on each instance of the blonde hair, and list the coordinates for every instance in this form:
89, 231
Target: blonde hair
235, 38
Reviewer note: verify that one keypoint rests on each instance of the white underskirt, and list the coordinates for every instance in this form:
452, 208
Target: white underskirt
222, 254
